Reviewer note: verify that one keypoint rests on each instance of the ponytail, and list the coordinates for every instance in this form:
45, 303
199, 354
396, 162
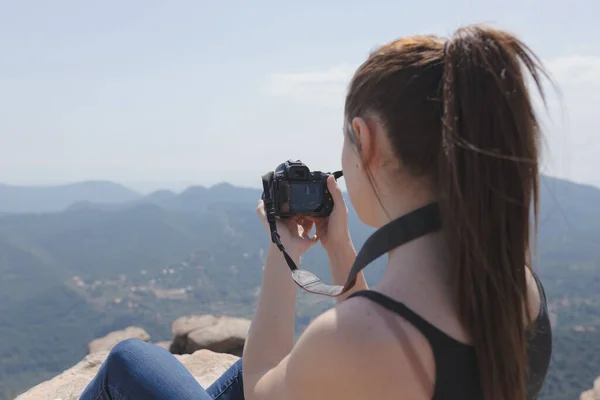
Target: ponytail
488, 174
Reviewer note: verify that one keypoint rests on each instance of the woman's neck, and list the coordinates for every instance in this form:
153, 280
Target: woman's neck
422, 262
422, 259
402, 198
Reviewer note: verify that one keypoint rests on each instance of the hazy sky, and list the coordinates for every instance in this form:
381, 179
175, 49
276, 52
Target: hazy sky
155, 93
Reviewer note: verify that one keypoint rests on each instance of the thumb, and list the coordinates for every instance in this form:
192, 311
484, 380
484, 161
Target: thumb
334, 189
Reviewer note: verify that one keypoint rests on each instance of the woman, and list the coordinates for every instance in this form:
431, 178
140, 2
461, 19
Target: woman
459, 313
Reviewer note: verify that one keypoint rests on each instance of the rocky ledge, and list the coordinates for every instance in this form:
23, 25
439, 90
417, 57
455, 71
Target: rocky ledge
206, 345
205, 365
592, 394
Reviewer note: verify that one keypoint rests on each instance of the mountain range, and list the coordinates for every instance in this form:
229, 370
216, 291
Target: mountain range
80, 260
39, 199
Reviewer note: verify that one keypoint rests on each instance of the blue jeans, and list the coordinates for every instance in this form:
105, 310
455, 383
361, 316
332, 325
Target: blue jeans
135, 370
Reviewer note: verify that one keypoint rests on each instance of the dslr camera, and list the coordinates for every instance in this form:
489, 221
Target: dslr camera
294, 190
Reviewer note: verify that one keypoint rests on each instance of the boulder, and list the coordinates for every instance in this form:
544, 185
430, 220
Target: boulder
165, 345
228, 335
592, 394
109, 341
184, 325
197, 332
206, 366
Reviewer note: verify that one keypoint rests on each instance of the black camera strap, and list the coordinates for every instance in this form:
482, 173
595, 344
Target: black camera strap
402, 230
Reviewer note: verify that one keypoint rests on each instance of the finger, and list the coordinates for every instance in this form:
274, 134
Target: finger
260, 209
321, 226
334, 189
308, 242
298, 221
297, 226
307, 227
262, 215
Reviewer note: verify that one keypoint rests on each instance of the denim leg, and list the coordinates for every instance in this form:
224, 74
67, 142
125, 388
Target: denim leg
230, 385
135, 370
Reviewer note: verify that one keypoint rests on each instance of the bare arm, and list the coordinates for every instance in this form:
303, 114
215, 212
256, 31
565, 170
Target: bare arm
269, 350
271, 335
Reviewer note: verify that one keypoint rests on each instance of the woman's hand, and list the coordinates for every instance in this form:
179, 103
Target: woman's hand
294, 232
335, 238
333, 230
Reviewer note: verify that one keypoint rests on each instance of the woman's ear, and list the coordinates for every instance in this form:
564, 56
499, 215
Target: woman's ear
365, 138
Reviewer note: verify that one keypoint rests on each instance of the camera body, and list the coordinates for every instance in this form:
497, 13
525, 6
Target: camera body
298, 191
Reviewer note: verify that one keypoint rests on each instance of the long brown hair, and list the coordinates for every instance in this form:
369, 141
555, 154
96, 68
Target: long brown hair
458, 111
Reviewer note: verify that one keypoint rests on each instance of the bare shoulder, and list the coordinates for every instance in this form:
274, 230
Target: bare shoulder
534, 297
364, 353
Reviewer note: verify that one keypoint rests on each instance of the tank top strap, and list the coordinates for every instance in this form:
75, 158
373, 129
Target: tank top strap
437, 338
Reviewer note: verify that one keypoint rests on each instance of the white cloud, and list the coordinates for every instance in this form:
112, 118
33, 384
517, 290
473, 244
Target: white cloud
325, 88
576, 69
572, 134
578, 80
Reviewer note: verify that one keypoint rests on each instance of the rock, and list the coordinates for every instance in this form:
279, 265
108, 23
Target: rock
70, 383
206, 366
109, 341
183, 326
165, 345
222, 335
228, 335
592, 394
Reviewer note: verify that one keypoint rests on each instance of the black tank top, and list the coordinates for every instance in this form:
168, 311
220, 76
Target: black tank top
457, 375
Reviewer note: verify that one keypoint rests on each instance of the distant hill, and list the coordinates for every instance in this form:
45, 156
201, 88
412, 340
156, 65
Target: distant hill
197, 198
99, 265
194, 198
43, 199
569, 223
